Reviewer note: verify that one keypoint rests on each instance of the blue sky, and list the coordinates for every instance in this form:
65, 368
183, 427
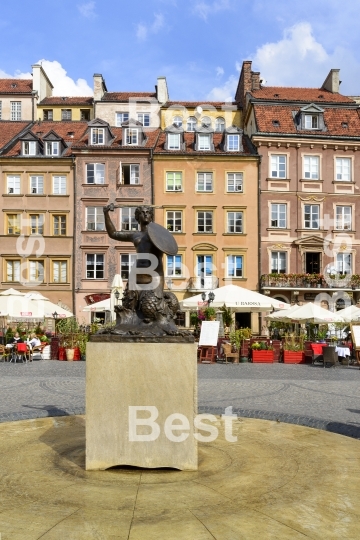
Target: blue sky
198, 45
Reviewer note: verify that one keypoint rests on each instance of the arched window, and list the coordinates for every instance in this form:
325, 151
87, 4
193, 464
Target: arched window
191, 123
177, 121
206, 121
220, 124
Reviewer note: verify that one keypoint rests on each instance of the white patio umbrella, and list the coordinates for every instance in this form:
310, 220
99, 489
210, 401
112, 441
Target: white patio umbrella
116, 286
103, 305
42, 307
350, 313
309, 312
278, 315
237, 298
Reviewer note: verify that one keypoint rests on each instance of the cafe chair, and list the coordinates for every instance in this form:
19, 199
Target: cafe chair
21, 352
39, 349
228, 353
330, 356
4, 353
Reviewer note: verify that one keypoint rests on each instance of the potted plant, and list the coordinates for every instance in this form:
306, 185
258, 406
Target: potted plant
262, 352
293, 349
210, 314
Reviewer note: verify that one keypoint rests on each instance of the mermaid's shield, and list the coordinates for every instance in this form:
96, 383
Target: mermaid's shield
162, 239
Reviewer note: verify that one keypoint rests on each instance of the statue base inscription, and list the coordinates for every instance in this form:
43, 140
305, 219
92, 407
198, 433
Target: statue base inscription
137, 395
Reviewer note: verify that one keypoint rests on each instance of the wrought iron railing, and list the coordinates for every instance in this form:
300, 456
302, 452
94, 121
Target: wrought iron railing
203, 283
319, 281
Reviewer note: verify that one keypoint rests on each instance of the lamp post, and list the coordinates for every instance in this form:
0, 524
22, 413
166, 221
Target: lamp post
117, 296
55, 316
211, 297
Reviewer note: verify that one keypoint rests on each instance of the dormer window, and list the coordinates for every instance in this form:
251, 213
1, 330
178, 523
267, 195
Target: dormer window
219, 124
311, 121
97, 136
310, 117
204, 141
177, 121
131, 136
233, 143
206, 121
52, 148
173, 141
191, 123
29, 148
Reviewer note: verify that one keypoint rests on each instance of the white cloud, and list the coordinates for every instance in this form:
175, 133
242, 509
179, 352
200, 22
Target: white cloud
87, 10
142, 31
219, 71
203, 9
63, 84
158, 23
17, 75
226, 92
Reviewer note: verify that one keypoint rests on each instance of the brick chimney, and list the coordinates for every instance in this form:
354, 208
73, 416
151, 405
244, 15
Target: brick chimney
162, 93
99, 87
244, 84
255, 80
332, 82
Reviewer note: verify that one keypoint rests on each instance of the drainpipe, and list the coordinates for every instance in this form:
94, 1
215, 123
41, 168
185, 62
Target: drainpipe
259, 232
152, 176
74, 236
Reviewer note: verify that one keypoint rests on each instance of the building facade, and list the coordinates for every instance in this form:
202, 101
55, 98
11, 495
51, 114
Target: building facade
66, 108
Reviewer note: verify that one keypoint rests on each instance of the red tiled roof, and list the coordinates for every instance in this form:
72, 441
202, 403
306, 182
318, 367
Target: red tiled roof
16, 86
151, 138
125, 96
56, 100
189, 139
216, 104
334, 121
308, 95
8, 130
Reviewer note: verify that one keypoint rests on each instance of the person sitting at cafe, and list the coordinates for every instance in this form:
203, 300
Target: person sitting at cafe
14, 340
34, 341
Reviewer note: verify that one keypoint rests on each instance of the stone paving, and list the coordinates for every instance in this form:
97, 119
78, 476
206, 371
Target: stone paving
308, 395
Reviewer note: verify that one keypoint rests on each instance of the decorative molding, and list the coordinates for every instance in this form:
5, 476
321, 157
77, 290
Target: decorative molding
311, 198
280, 246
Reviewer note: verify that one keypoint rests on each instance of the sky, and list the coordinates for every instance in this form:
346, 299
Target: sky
198, 45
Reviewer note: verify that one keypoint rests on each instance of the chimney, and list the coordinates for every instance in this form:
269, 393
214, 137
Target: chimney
99, 87
245, 83
41, 82
332, 83
162, 93
255, 80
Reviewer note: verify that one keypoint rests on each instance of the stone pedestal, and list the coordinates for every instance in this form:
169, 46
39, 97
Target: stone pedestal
122, 375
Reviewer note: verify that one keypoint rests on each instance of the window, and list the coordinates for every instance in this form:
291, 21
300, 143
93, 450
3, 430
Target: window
278, 166
13, 270
311, 215
37, 185
131, 136
173, 181
311, 167
13, 223
0, 110
15, 110
95, 220
52, 148
204, 271
13, 184
204, 141
234, 266
97, 136
174, 221
84, 114
173, 141
278, 216
36, 271
131, 174
191, 123
219, 124
233, 143
48, 114
121, 117
343, 217
126, 263
59, 225
144, 118
29, 148
95, 173
235, 182
204, 222
177, 121
343, 263
311, 121
278, 262
59, 272
59, 185
204, 182
128, 221
343, 169
65, 114
36, 224
94, 266
206, 121
234, 222
174, 265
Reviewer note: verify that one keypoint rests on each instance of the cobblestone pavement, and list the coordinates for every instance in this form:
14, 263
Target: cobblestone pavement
302, 394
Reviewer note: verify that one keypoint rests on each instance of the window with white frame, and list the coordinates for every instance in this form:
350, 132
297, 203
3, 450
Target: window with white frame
219, 124
97, 136
204, 222
344, 263
235, 222
0, 110
343, 218
278, 166
233, 143
127, 220
173, 140
235, 265
59, 225
95, 266
66, 114
59, 272
95, 219
311, 167
204, 182
127, 261
130, 173
131, 136
121, 117
278, 215
29, 148
311, 216
48, 114
177, 121
52, 148
235, 182
36, 224
174, 221
191, 123
174, 265
37, 185
174, 181
36, 271
144, 118
95, 173
15, 110
204, 141
13, 270
13, 223
13, 184
59, 185
343, 169
278, 262
311, 121
206, 121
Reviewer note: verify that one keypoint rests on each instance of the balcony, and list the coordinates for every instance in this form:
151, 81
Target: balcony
198, 284
313, 281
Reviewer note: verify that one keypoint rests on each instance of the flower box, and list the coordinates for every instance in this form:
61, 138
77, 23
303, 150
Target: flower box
262, 356
294, 357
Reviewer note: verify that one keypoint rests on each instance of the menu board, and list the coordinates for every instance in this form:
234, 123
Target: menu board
209, 333
355, 332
